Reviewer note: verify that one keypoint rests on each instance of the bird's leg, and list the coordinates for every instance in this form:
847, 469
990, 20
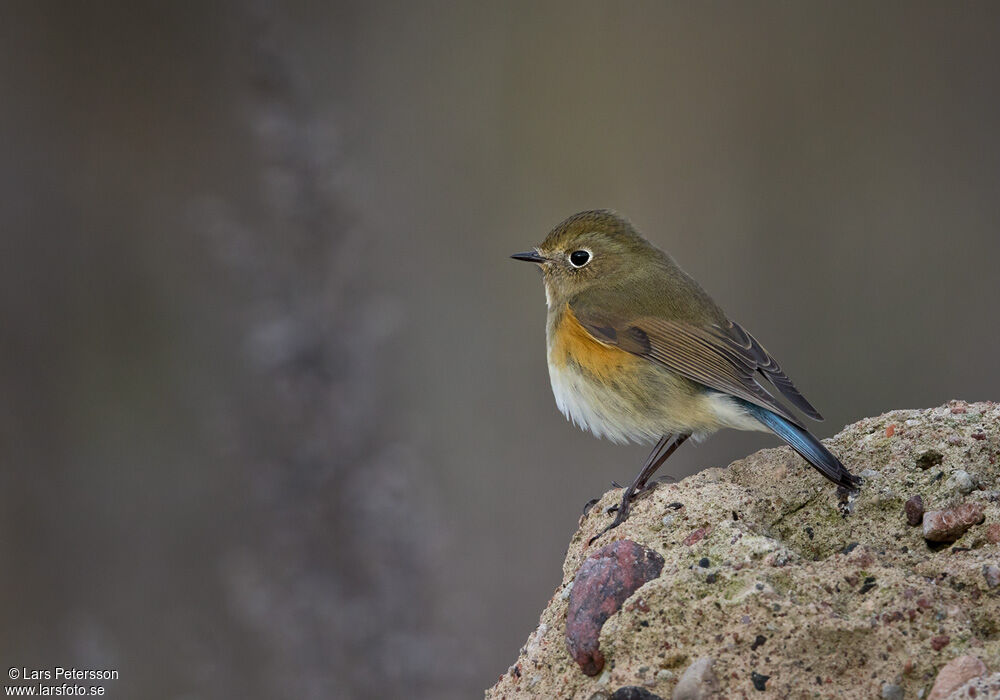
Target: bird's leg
663, 449
650, 459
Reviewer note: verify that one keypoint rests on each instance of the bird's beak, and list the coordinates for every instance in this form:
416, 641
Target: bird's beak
529, 256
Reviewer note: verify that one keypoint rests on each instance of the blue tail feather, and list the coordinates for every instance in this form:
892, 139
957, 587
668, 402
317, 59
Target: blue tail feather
811, 449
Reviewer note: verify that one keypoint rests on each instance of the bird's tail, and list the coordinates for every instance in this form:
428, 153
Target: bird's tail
811, 449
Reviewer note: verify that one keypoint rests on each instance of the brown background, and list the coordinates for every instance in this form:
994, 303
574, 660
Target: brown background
274, 412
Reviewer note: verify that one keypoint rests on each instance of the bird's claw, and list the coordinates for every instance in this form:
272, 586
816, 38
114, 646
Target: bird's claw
620, 517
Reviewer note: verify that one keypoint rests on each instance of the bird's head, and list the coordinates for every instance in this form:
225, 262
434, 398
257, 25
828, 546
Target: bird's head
590, 250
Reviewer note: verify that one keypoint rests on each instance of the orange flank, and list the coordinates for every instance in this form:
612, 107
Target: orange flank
572, 344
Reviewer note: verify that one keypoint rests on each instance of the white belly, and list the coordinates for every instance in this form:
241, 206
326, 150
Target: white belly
607, 413
596, 408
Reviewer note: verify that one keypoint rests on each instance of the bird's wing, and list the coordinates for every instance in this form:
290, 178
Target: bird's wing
747, 346
722, 359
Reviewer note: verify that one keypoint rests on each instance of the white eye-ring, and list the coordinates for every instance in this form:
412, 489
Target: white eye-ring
579, 258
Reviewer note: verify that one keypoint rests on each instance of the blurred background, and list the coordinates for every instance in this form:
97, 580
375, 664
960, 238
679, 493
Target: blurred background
274, 412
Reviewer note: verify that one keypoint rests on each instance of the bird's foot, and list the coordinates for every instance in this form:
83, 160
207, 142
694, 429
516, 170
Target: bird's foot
620, 516
652, 484
635, 494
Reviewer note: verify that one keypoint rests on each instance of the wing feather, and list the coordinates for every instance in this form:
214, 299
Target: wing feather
745, 344
727, 360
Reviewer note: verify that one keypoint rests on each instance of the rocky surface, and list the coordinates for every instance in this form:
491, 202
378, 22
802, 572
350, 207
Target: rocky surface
772, 586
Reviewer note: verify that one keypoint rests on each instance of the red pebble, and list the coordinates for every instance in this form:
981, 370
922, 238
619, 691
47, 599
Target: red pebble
914, 510
950, 524
891, 430
603, 582
696, 536
940, 642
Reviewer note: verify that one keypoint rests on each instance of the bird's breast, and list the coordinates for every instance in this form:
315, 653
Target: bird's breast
571, 346
597, 386
621, 396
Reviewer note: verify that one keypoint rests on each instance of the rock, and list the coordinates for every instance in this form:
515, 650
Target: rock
940, 642
759, 680
950, 524
993, 533
604, 581
823, 636
955, 673
696, 536
961, 482
633, 692
697, 682
914, 509
891, 691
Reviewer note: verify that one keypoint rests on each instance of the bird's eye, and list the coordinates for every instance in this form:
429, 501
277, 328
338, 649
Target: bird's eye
579, 258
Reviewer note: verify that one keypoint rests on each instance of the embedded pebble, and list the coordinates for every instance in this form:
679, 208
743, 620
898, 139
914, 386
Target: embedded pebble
954, 674
698, 681
891, 691
961, 481
759, 680
914, 509
696, 536
633, 692
950, 524
991, 573
604, 581
940, 641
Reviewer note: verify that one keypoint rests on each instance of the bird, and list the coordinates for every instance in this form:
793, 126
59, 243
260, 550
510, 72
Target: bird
638, 352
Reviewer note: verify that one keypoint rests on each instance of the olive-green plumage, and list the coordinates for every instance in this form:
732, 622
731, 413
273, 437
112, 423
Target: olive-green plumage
627, 277
637, 350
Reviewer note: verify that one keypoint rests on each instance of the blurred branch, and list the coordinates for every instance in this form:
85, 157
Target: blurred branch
337, 588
